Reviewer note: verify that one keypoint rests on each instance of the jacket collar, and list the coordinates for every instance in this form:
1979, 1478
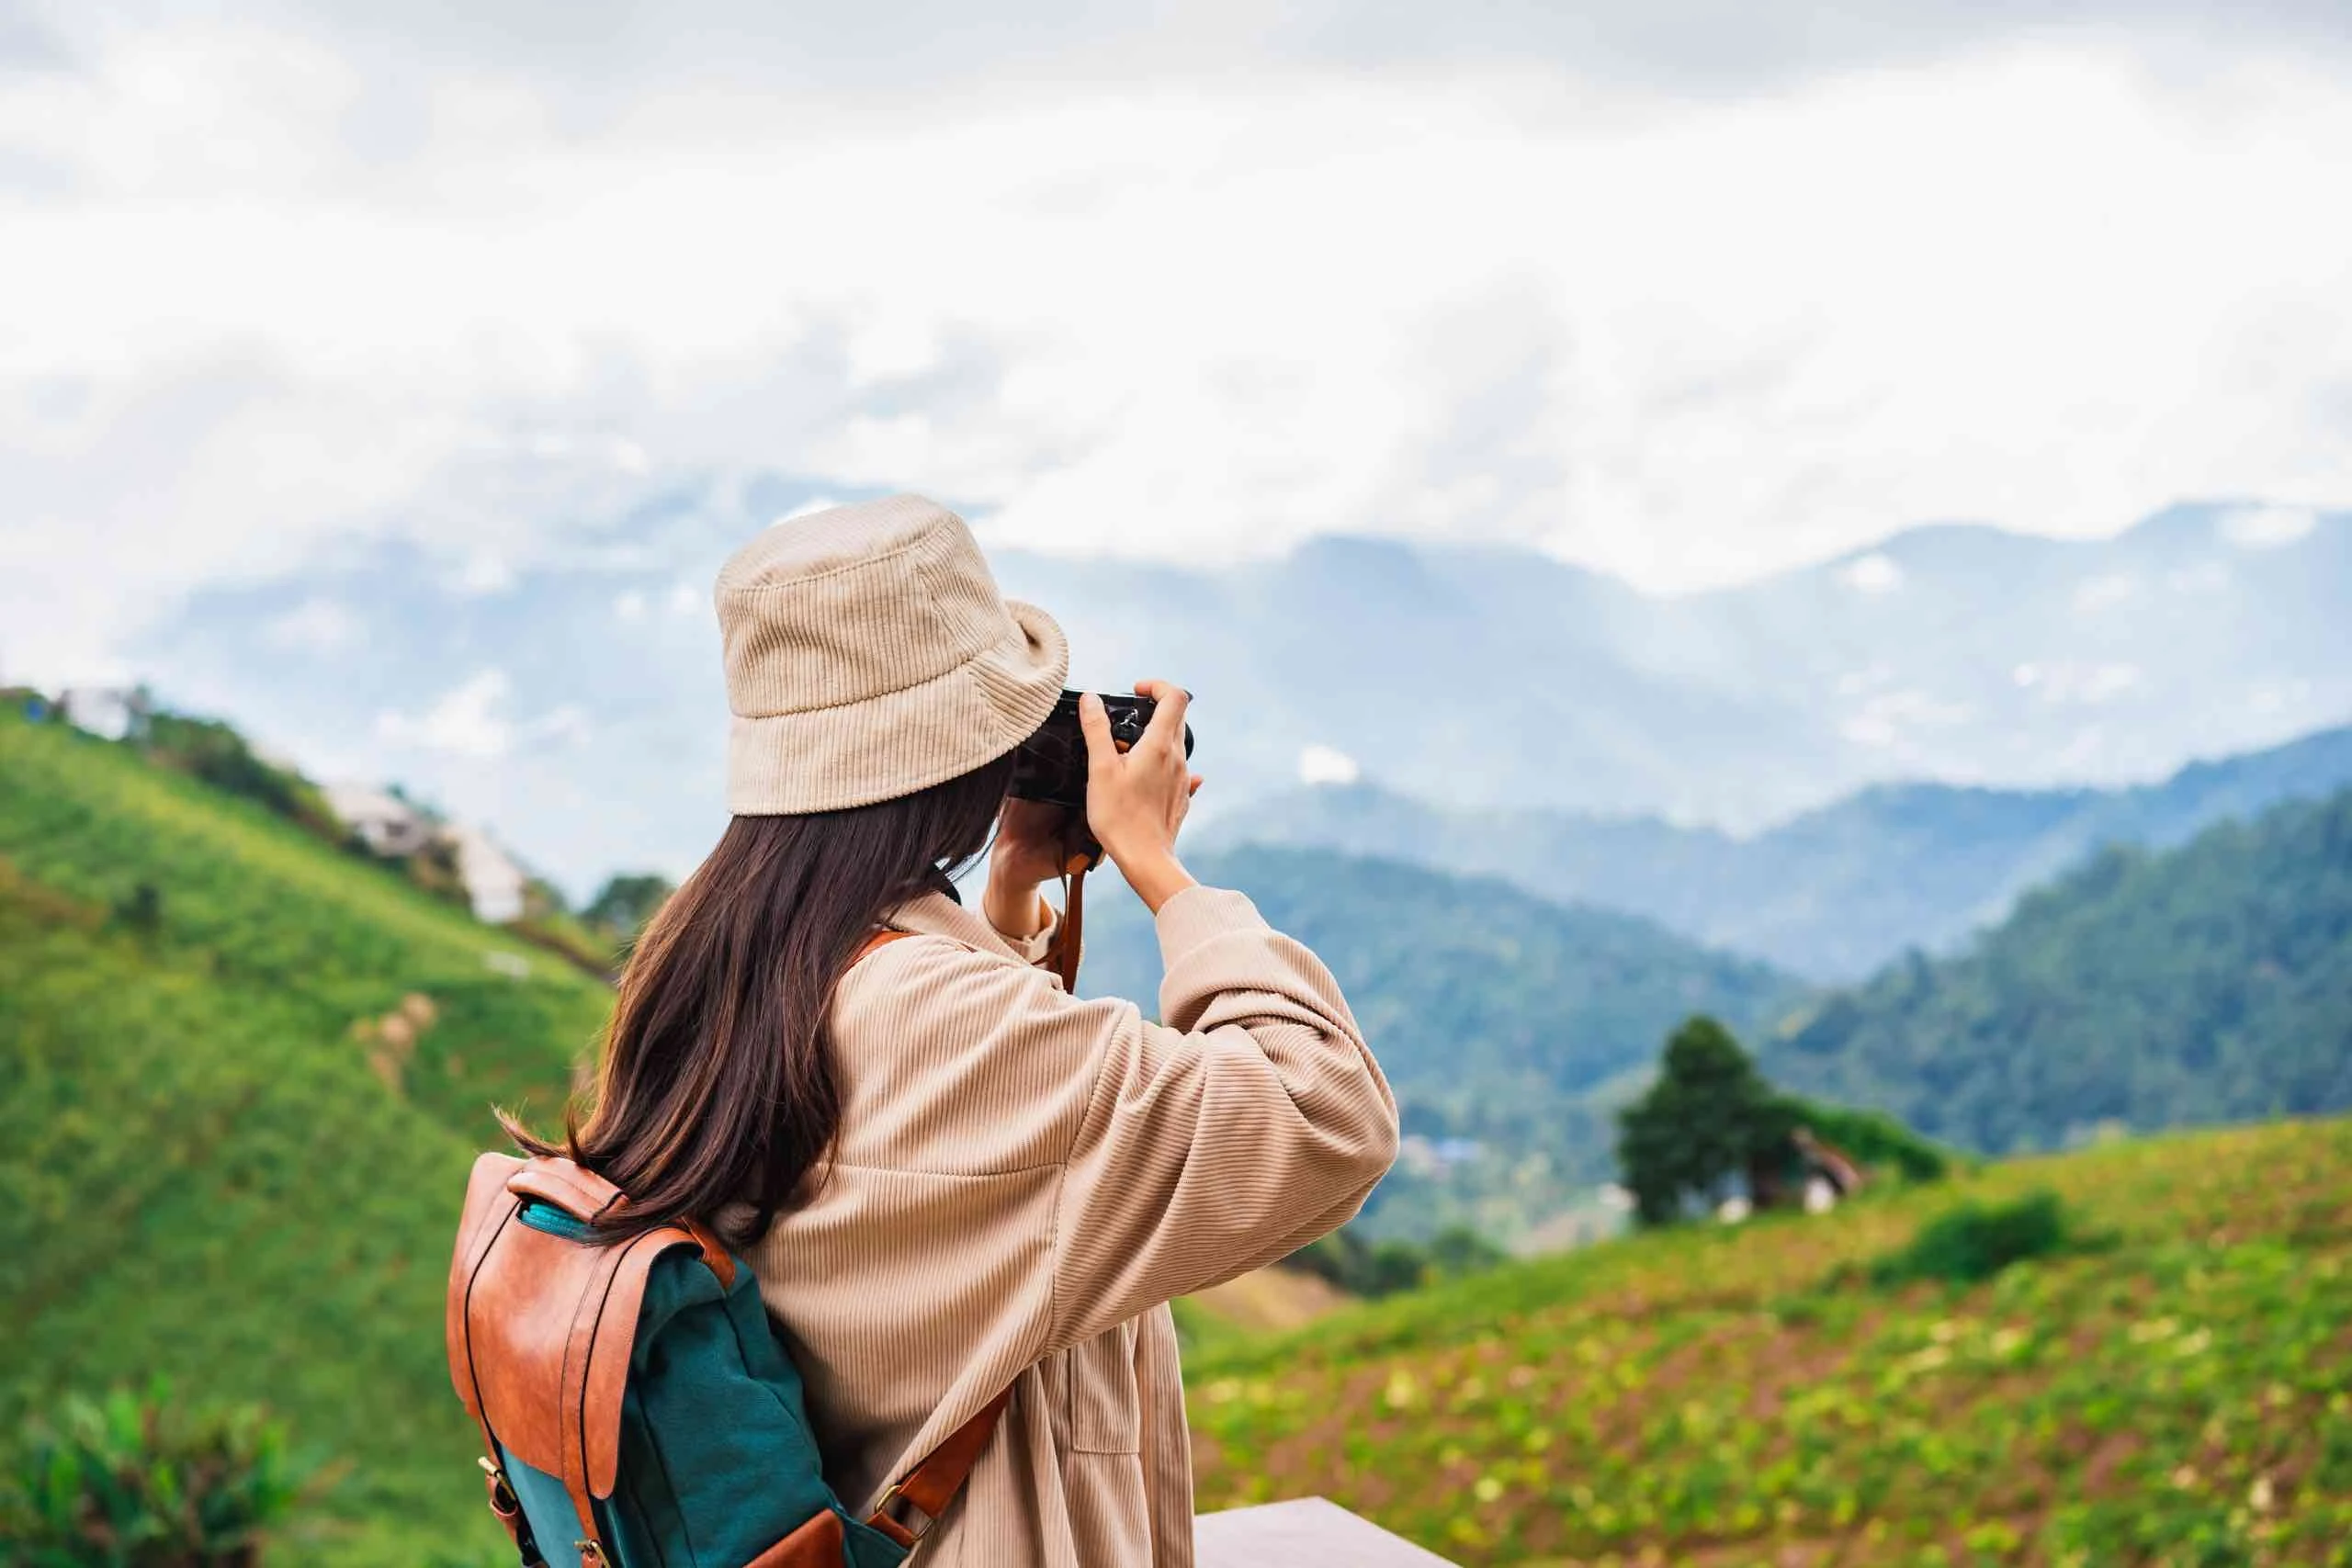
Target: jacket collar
936, 914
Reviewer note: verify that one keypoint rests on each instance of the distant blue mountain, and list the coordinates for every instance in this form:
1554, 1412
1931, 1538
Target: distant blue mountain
576, 708
1832, 893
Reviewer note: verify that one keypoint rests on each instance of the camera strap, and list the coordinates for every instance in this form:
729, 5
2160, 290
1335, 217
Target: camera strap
1066, 951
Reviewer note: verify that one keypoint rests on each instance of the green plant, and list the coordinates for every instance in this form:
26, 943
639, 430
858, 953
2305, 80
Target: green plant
1708, 1116
1363, 1266
1976, 1241
140, 1480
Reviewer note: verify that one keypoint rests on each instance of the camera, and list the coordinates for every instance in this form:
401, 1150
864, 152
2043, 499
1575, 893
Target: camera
1051, 764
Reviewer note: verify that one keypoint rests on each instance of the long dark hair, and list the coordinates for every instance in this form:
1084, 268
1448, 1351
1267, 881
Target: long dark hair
718, 1082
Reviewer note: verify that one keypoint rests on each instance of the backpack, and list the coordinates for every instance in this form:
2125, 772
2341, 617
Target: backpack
636, 1407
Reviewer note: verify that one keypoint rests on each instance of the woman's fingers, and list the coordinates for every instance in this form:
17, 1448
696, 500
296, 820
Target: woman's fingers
1167, 726
1094, 722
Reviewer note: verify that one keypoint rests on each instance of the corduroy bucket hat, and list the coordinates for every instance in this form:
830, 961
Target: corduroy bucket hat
869, 655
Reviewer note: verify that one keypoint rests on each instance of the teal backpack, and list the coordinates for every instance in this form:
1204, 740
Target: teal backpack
635, 1408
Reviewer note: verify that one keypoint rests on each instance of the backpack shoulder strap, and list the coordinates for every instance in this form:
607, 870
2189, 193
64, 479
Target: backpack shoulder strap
931, 1486
875, 943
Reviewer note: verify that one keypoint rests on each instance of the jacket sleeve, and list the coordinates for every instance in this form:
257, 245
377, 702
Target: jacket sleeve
1253, 1122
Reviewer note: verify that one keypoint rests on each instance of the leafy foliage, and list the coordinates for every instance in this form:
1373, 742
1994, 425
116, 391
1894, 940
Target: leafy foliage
625, 903
2145, 990
1878, 1140
144, 1481
208, 749
1707, 1117
1976, 1241
1371, 1268
1712, 1395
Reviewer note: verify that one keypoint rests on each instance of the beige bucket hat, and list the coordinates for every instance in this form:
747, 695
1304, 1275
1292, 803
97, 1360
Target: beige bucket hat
869, 655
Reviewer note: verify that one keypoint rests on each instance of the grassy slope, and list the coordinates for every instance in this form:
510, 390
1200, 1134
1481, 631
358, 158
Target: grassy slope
203, 1177
1710, 1395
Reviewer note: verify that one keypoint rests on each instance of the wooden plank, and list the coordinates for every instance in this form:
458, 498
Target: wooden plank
1307, 1532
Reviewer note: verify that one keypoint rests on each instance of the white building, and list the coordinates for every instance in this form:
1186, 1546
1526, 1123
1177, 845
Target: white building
387, 825
492, 880
107, 712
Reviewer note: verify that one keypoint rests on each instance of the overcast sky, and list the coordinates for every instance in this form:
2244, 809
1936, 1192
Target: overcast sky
1688, 291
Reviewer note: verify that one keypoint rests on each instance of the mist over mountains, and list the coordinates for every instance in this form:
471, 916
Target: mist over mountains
575, 705
1831, 894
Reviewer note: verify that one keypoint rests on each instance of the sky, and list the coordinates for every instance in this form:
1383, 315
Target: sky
1685, 291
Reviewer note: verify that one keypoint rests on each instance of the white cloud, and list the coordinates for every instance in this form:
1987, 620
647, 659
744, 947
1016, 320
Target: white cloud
2078, 683
1320, 764
1888, 719
1872, 574
2267, 527
318, 625
2094, 594
1181, 317
2198, 577
2278, 696
466, 722
482, 573
629, 605
564, 725
687, 598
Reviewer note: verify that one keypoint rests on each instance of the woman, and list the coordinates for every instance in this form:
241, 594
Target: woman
950, 1175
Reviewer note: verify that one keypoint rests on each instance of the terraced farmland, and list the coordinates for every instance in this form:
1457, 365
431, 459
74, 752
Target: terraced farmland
2176, 1392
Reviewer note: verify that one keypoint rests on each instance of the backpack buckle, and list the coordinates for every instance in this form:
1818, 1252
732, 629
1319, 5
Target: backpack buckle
913, 1532
590, 1554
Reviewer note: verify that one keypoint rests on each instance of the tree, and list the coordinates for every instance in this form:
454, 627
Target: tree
1707, 1116
626, 902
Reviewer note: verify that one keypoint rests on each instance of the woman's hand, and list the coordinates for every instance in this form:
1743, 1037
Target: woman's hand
1035, 841
1136, 800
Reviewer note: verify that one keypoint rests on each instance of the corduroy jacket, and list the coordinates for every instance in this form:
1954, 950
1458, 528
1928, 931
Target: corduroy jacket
1024, 1180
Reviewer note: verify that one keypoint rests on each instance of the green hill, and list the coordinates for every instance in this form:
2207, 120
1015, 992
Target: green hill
2209, 983
1502, 1020
221, 1162
1831, 894
2173, 1392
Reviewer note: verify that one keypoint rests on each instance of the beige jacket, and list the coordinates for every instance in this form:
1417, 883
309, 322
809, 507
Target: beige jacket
1023, 1182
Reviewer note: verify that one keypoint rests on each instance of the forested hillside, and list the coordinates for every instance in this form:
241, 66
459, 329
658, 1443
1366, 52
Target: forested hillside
243, 1078
2210, 983
1501, 1018
1832, 893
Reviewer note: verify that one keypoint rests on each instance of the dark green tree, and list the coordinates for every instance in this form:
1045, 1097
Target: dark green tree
1709, 1113
625, 903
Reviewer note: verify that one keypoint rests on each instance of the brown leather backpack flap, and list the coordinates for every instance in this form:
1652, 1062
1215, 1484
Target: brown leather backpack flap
585, 1195
549, 1326
488, 1206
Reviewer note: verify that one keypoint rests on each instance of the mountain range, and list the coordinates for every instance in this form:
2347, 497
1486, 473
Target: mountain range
2208, 983
1832, 893
572, 703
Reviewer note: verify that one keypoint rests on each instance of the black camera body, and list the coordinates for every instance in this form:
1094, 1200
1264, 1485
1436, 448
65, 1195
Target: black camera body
1051, 764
